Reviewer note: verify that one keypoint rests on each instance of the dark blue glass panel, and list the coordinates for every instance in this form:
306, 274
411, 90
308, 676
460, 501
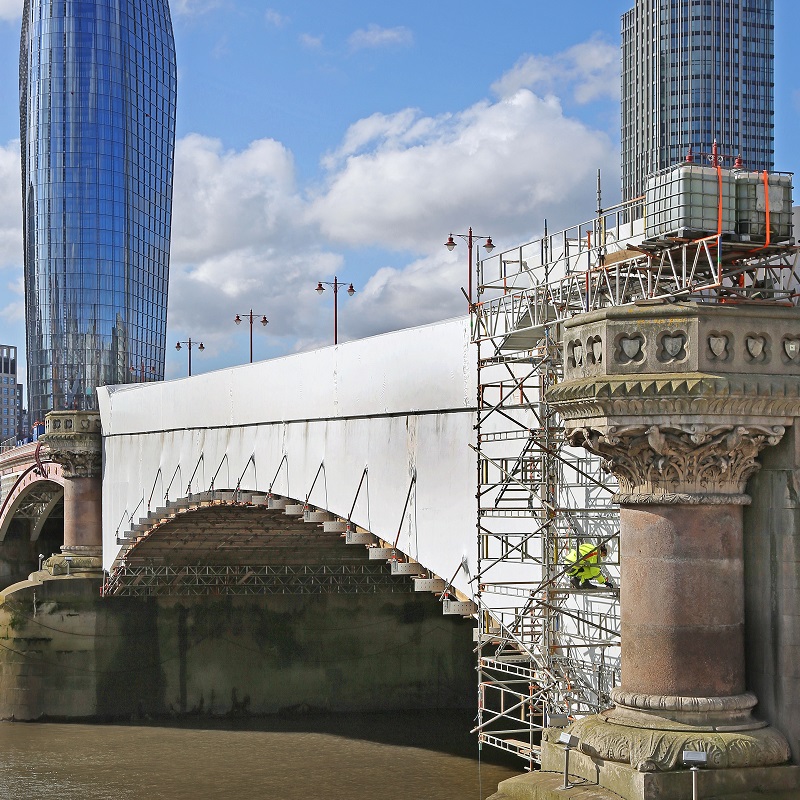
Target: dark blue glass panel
98, 88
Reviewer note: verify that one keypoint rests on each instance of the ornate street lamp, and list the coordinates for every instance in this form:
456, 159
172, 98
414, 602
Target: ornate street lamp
189, 343
335, 285
249, 315
469, 238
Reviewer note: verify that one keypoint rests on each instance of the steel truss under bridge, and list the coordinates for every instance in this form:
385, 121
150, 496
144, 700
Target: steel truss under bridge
548, 651
203, 580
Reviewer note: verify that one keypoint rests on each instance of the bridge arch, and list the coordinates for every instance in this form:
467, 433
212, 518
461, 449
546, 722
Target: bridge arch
34, 495
241, 542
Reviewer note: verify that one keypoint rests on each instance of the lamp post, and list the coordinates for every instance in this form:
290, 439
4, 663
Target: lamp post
469, 238
189, 344
335, 286
249, 315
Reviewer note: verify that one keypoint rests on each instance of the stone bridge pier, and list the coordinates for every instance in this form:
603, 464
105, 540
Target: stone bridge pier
680, 400
75, 442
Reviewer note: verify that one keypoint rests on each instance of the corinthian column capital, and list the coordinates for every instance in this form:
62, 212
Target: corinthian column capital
675, 463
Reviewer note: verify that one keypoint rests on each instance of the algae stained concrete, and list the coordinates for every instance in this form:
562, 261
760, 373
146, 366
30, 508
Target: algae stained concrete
66, 653
326, 651
772, 587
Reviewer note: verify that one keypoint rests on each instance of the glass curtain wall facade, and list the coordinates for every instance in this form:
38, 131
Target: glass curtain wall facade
97, 122
694, 71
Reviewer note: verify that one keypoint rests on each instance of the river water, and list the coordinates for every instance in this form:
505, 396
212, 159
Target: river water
409, 756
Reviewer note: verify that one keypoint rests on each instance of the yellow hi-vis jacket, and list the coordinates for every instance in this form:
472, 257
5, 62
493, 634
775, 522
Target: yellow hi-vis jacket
585, 563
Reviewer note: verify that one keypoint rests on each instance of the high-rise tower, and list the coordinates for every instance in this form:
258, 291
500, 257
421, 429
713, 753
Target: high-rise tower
97, 122
694, 71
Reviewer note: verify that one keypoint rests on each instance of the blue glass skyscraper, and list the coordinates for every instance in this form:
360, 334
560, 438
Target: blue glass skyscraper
97, 121
694, 71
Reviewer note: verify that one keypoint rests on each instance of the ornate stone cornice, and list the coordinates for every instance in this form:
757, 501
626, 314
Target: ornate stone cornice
661, 397
692, 463
680, 400
75, 441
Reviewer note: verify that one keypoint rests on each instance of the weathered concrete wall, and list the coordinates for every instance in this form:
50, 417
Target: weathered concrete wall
772, 587
335, 652
64, 652
81, 656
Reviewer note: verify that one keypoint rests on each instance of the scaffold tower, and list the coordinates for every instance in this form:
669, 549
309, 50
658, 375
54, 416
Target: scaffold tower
548, 651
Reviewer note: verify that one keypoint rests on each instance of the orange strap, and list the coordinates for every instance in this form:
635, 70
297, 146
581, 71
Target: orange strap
765, 177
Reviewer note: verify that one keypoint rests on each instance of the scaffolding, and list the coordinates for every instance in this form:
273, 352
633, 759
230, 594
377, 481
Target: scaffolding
548, 652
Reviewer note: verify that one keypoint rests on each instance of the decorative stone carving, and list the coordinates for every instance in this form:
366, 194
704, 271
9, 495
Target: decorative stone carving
718, 345
597, 402
75, 441
630, 348
576, 350
645, 339
672, 346
791, 348
757, 347
595, 344
668, 462
651, 749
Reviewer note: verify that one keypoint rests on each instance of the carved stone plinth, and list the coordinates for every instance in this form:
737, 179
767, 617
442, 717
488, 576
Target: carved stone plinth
679, 400
75, 441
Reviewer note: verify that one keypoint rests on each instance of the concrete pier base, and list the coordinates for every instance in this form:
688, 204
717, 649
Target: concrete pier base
70, 654
597, 779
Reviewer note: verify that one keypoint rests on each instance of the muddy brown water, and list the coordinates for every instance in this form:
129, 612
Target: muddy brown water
409, 756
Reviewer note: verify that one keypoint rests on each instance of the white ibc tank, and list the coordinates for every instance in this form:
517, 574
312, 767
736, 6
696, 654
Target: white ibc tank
685, 202
752, 206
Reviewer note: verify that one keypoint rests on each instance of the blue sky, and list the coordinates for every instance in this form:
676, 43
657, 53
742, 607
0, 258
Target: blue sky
317, 138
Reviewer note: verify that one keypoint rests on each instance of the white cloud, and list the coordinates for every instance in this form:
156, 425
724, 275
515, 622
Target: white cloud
590, 70
404, 179
427, 290
10, 9
193, 6
309, 41
245, 235
374, 36
14, 311
10, 207
240, 239
275, 18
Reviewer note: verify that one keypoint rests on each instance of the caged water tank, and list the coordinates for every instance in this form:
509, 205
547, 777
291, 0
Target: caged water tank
754, 203
684, 202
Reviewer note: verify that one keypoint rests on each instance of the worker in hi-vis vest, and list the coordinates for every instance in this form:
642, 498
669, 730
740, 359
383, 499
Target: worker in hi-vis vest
585, 566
